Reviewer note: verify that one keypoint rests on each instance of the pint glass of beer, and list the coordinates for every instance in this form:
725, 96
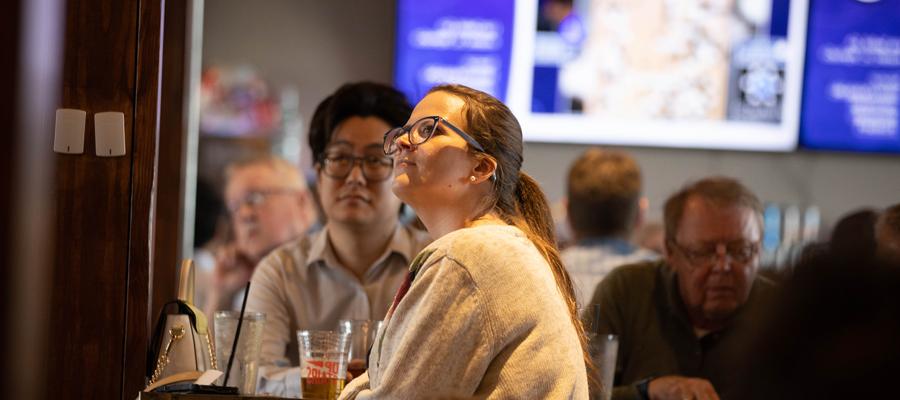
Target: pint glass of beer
323, 363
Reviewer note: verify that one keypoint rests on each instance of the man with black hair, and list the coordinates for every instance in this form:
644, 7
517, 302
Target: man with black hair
352, 268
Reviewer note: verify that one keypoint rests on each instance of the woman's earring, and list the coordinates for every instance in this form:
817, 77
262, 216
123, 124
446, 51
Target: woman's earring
472, 178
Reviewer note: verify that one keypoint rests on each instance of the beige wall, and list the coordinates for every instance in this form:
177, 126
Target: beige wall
317, 45
311, 45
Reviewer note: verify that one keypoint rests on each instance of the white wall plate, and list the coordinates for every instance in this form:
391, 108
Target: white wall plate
68, 135
109, 134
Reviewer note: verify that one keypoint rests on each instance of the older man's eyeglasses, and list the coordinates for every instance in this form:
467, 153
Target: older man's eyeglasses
374, 168
737, 252
422, 130
256, 198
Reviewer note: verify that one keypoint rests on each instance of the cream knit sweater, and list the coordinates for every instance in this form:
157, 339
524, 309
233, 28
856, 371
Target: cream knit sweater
482, 319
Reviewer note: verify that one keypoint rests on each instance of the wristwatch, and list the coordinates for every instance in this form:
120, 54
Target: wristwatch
642, 386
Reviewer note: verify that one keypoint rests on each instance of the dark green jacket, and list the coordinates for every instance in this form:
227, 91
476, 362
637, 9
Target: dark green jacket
641, 304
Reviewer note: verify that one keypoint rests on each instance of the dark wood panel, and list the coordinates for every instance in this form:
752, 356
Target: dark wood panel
9, 71
9, 74
172, 128
143, 178
93, 202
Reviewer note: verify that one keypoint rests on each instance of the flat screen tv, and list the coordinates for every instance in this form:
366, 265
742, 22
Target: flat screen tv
721, 74
851, 91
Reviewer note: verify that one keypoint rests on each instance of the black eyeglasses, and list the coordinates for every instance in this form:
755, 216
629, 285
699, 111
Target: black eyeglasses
374, 168
738, 252
422, 130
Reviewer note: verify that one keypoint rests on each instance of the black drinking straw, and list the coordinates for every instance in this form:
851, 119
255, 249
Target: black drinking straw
237, 334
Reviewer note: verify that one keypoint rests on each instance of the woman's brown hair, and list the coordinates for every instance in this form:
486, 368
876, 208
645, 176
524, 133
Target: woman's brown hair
517, 198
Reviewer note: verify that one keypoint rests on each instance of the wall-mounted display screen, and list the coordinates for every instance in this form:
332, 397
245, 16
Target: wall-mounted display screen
851, 93
693, 73
454, 41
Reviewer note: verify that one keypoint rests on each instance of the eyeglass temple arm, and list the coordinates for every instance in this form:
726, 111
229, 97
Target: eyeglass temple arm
468, 138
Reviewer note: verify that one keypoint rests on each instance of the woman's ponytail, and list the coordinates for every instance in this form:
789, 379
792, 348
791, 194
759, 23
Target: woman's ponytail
535, 219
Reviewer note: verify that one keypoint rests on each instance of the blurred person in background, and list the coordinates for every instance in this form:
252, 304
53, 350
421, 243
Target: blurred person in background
852, 241
853, 236
352, 267
604, 207
685, 322
887, 235
211, 230
833, 335
487, 309
268, 205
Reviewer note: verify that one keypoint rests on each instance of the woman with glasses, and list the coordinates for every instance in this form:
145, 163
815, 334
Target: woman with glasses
487, 309
352, 267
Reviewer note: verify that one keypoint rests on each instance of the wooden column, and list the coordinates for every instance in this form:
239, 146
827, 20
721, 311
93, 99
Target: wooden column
170, 181
101, 285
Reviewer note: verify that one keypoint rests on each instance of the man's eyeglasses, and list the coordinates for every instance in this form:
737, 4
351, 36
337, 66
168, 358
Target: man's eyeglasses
256, 198
422, 130
738, 252
374, 168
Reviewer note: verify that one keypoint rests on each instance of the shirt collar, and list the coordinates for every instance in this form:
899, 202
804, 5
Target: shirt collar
402, 243
613, 244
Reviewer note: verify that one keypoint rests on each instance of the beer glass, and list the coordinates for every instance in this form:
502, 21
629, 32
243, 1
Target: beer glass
323, 363
362, 335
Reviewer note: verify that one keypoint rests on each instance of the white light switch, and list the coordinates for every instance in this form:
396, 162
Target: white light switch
68, 135
109, 134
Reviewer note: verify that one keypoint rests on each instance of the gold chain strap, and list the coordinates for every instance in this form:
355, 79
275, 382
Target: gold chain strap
212, 350
175, 333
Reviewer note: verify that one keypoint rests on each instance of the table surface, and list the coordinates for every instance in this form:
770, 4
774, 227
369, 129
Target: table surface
175, 396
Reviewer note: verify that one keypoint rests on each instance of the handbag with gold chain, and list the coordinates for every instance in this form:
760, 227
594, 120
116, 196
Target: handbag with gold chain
181, 341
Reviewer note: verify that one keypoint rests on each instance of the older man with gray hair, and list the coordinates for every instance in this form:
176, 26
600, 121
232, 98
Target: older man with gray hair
684, 322
268, 204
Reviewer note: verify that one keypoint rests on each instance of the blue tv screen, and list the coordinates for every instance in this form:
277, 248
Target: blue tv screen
851, 91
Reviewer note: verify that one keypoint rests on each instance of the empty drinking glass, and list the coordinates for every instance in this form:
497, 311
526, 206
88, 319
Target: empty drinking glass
244, 368
603, 351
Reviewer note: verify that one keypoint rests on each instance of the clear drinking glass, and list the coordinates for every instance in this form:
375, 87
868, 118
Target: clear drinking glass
243, 373
362, 336
323, 363
604, 349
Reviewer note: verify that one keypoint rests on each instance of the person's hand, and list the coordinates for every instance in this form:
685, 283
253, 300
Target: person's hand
673, 387
229, 275
232, 270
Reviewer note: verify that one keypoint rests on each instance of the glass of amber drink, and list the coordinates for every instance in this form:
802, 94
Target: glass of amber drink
323, 363
362, 336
